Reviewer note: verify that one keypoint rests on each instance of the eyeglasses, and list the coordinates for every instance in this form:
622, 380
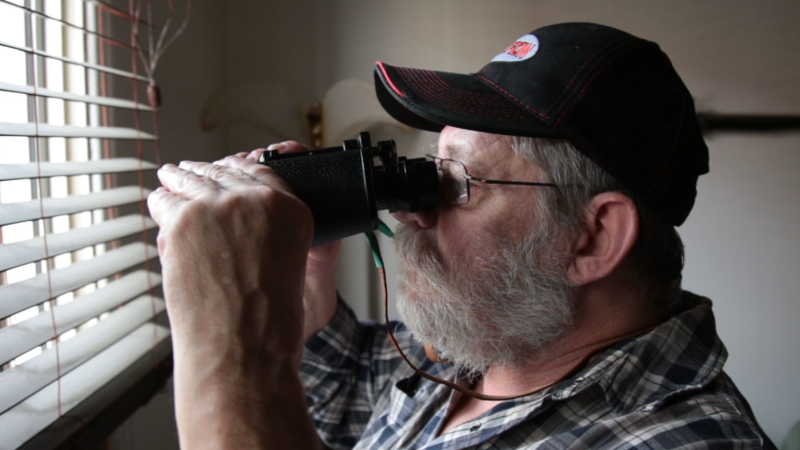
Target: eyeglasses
455, 181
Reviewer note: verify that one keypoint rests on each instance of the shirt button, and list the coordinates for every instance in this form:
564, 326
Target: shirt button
577, 382
475, 428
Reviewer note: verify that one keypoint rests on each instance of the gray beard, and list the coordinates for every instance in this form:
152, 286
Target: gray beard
501, 310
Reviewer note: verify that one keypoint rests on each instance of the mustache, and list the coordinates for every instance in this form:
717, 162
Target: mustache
412, 245
419, 259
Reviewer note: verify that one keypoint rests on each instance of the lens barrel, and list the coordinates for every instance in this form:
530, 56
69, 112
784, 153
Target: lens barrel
346, 186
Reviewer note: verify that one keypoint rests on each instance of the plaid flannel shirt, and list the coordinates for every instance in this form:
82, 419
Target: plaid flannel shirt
661, 390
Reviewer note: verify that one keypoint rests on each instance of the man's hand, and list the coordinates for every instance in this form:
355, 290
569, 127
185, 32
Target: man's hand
233, 243
319, 299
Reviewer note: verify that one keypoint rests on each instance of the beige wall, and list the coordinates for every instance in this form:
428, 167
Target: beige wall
735, 56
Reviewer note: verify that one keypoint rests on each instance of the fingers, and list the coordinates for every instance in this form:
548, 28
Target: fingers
162, 203
185, 183
261, 173
192, 179
288, 147
282, 147
235, 173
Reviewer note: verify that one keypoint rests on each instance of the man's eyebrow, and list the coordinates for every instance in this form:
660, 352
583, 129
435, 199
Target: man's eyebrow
454, 151
458, 153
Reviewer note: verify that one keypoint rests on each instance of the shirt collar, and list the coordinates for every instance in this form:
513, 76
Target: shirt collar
682, 354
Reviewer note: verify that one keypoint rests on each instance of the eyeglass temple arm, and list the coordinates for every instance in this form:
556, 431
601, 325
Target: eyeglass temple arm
486, 180
524, 183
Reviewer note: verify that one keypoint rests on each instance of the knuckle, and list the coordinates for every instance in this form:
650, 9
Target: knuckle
269, 197
184, 181
233, 206
153, 198
255, 155
162, 242
274, 198
294, 146
212, 171
195, 208
285, 206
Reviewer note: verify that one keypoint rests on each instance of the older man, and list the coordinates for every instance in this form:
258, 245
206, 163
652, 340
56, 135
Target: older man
547, 281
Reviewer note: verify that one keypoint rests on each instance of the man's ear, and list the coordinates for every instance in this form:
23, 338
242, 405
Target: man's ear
611, 226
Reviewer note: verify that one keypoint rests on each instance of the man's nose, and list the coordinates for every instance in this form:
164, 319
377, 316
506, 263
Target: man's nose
424, 219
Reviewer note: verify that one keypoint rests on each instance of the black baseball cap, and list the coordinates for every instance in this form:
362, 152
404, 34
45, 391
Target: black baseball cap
616, 97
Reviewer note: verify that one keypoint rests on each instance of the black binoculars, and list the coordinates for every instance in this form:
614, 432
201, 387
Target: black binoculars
346, 186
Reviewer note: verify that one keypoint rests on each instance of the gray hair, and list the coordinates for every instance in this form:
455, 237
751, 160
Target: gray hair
657, 256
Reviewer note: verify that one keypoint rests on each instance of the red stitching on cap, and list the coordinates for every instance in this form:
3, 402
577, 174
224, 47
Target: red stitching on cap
389, 80
564, 92
433, 77
424, 80
431, 87
509, 94
622, 52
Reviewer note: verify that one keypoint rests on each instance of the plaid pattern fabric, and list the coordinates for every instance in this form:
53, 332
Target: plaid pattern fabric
661, 390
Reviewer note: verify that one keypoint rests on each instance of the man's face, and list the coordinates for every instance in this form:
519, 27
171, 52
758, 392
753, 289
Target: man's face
484, 283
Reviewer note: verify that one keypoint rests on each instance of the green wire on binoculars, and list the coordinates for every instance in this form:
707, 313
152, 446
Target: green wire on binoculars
373, 242
376, 250
383, 228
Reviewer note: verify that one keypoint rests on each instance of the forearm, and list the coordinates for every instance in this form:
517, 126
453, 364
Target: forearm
251, 406
236, 376
233, 246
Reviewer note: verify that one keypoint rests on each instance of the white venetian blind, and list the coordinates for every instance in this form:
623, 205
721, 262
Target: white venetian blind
79, 275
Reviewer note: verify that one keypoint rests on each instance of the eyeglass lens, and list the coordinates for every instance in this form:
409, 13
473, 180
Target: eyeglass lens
455, 189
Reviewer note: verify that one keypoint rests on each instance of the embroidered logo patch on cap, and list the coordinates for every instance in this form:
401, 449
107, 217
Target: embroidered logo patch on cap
522, 49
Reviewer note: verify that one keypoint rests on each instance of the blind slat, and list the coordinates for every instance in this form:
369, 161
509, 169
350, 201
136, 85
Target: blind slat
102, 101
71, 131
69, 25
22, 381
88, 65
34, 414
51, 207
20, 338
24, 294
24, 252
49, 169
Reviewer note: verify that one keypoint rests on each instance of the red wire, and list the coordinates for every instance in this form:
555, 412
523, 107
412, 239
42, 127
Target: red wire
118, 12
140, 154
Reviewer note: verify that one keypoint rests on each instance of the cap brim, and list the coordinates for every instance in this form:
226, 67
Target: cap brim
430, 100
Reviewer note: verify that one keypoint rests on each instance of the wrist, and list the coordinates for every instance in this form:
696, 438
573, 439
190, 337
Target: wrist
243, 407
